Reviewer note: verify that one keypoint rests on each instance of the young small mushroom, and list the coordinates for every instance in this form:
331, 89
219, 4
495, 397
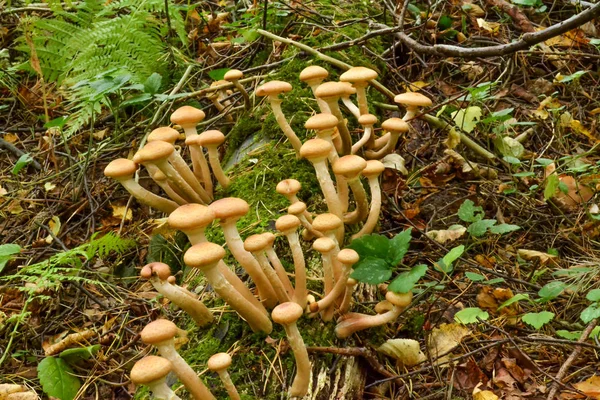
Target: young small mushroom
206, 256
372, 171
353, 322
367, 121
329, 225
152, 371
272, 89
350, 167
158, 274
188, 118
299, 210
347, 302
331, 92
163, 134
288, 225
162, 181
313, 76
233, 76
325, 246
289, 189
161, 334
412, 101
395, 127
122, 170
360, 77
219, 363
212, 140
287, 314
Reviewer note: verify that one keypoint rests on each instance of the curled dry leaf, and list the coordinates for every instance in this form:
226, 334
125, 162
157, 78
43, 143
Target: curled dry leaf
484, 395
395, 161
530, 255
446, 338
591, 387
406, 351
447, 235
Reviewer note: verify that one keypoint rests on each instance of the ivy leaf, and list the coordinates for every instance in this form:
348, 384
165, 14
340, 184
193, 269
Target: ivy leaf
593, 295
6, 253
471, 315
57, 378
537, 320
407, 280
551, 290
468, 212
371, 246
372, 270
590, 313
479, 228
445, 264
504, 228
398, 246
514, 299
467, 118
552, 183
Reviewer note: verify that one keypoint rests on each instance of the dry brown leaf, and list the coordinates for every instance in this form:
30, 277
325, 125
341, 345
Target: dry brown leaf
486, 299
529, 255
548, 103
119, 212
591, 387
406, 351
447, 235
484, 395
444, 339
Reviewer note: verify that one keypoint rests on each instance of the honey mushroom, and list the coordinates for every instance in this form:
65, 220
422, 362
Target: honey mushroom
233, 76
206, 256
350, 167
329, 224
372, 171
313, 76
272, 90
366, 121
161, 334
331, 92
394, 127
347, 101
122, 170
201, 169
288, 225
228, 211
212, 140
347, 301
158, 274
152, 371
162, 181
299, 209
164, 134
219, 363
276, 263
325, 246
289, 189
412, 101
359, 77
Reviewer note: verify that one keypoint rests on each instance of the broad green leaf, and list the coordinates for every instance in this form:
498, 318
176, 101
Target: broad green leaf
551, 290
514, 299
470, 315
552, 183
372, 270
524, 174
398, 246
508, 146
142, 98
250, 35
77, 354
575, 271
575, 335
544, 162
474, 277
7, 251
57, 378
593, 295
468, 212
525, 3
467, 118
152, 84
56, 123
569, 78
479, 228
371, 246
218, 74
590, 313
407, 280
537, 320
504, 228
512, 160
444, 22
494, 281
22, 162
445, 264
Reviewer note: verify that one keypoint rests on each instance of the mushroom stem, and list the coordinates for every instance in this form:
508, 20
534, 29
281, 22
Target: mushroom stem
215, 164
346, 303
150, 371
363, 140
323, 106
347, 258
182, 168
278, 267
162, 181
342, 128
219, 363
351, 106
288, 225
148, 198
161, 391
372, 171
282, 294
283, 124
199, 163
299, 210
325, 246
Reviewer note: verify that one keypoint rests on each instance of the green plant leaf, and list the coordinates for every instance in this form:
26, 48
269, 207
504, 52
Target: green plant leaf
152, 84
572, 77
371, 246
474, 277
7, 251
445, 22
404, 282
372, 270
551, 290
504, 228
250, 35
590, 313
537, 320
544, 162
467, 118
470, 315
398, 246
479, 228
568, 335
552, 183
22, 162
77, 354
508, 146
142, 98
468, 212
445, 263
514, 299
57, 378
218, 74
593, 295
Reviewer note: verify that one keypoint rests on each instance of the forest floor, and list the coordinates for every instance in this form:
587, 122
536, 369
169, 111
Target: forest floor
526, 272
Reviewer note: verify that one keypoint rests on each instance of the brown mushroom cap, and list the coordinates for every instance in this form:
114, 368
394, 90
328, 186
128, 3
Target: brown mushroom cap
203, 254
413, 99
187, 116
229, 207
321, 121
164, 134
150, 369
287, 313
395, 125
373, 168
273, 88
211, 138
255, 243
348, 256
193, 139
358, 74
218, 362
233, 75
349, 166
146, 272
367, 119
331, 89
323, 245
313, 72
154, 151
162, 270
158, 331
315, 149
326, 222
399, 299
120, 168
287, 222
297, 208
288, 187
191, 216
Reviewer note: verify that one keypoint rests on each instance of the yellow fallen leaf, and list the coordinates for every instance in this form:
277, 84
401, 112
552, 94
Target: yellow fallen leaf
548, 103
484, 395
595, 111
100, 134
54, 225
48, 186
14, 207
444, 339
407, 351
119, 212
453, 139
3, 191
415, 86
529, 255
447, 235
591, 387
10, 138
491, 27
